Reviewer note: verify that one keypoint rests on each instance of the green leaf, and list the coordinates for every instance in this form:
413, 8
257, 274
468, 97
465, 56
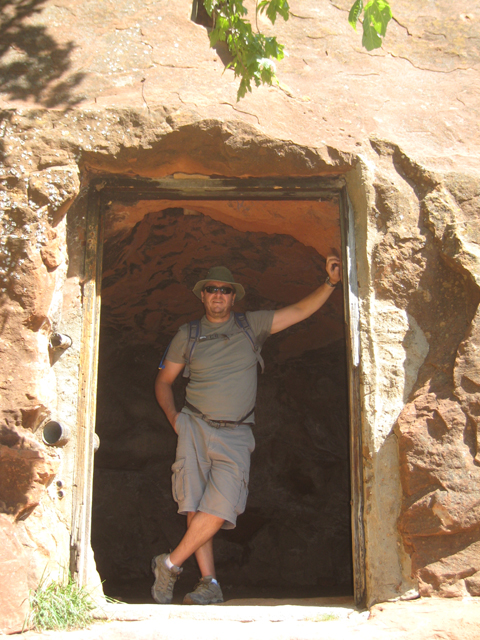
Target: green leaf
233, 7
253, 54
273, 49
378, 14
209, 6
355, 13
243, 87
214, 38
371, 39
274, 7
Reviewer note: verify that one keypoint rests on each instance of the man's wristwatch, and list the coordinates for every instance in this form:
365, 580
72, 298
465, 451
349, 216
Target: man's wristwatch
330, 283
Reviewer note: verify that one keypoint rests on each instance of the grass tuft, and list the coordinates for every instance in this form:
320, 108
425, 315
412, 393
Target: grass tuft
60, 606
322, 617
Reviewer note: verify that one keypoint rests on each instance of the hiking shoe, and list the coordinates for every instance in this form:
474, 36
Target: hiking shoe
165, 578
205, 592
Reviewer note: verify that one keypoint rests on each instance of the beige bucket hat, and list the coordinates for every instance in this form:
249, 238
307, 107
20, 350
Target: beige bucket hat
219, 274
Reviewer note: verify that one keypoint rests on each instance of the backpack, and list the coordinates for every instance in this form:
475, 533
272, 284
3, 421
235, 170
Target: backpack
194, 337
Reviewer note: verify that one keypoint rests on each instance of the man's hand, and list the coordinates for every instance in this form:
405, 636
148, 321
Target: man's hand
333, 268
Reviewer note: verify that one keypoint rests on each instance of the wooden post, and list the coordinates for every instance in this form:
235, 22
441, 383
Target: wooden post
352, 334
87, 392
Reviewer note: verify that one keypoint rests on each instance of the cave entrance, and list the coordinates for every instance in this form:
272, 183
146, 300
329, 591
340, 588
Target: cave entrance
148, 242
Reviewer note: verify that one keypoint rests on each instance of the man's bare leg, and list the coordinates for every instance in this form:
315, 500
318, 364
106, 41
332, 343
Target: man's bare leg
198, 538
204, 554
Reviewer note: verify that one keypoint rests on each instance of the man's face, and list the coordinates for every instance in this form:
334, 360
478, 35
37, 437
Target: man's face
218, 305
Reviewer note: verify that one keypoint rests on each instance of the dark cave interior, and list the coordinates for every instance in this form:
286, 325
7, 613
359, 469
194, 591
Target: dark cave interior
294, 539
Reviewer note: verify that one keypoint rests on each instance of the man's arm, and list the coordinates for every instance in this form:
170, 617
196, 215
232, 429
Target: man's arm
163, 389
286, 317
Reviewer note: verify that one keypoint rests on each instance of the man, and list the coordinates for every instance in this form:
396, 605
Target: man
215, 440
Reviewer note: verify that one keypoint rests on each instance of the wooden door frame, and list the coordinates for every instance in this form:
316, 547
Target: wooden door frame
104, 191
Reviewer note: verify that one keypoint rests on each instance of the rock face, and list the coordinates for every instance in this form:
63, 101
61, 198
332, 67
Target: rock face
439, 430
333, 96
92, 89
25, 471
14, 592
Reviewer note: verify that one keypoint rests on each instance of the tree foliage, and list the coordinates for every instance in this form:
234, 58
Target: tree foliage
377, 15
254, 54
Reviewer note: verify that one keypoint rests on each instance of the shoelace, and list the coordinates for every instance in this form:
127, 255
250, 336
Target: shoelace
167, 579
203, 586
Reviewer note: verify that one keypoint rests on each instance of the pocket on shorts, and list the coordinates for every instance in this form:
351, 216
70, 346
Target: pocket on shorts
243, 494
178, 480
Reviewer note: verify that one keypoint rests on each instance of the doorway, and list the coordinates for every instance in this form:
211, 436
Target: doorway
295, 538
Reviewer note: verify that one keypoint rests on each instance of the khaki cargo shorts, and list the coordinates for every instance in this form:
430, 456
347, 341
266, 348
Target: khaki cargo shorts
211, 469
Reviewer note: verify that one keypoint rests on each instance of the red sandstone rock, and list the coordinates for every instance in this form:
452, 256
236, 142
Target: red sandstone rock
54, 187
14, 592
26, 469
467, 381
441, 514
163, 257
473, 584
52, 254
315, 224
452, 576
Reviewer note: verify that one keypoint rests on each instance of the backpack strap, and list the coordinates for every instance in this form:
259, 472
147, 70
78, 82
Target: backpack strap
161, 365
193, 335
242, 323
193, 338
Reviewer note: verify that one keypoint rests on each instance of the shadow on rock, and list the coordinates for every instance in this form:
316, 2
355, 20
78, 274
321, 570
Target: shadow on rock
33, 66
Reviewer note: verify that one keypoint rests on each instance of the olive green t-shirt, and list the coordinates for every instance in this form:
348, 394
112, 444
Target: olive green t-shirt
223, 371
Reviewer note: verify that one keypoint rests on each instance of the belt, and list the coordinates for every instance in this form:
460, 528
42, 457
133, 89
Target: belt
219, 424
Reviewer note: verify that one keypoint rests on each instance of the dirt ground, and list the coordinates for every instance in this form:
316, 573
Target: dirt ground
320, 619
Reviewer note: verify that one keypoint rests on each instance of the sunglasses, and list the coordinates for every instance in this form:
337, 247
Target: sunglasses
224, 290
